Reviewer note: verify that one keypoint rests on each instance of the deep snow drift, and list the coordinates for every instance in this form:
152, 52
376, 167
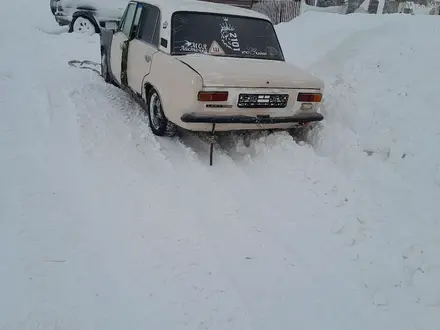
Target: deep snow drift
104, 226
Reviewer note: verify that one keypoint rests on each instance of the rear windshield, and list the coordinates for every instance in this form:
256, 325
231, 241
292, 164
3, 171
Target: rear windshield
224, 35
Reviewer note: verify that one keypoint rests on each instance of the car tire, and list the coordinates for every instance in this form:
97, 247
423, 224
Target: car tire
104, 68
159, 124
82, 24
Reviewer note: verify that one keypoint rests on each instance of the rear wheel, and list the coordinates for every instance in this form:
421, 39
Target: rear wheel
159, 124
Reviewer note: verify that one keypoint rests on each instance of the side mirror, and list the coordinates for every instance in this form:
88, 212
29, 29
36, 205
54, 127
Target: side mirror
113, 26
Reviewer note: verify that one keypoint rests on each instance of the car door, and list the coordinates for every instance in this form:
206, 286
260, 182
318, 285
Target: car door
120, 42
142, 48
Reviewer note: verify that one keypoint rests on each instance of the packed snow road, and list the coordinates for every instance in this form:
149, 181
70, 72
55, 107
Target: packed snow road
105, 226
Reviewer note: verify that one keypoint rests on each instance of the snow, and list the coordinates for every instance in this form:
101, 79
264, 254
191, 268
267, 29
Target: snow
105, 226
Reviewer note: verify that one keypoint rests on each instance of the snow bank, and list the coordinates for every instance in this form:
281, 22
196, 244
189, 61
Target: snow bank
380, 86
381, 98
105, 226
306, 41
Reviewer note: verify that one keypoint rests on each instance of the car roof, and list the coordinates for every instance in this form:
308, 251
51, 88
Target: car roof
168, 7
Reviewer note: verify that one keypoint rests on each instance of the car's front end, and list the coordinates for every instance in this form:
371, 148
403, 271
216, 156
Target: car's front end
59, 13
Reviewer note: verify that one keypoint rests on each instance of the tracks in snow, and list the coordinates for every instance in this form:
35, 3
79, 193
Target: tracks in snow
86, 65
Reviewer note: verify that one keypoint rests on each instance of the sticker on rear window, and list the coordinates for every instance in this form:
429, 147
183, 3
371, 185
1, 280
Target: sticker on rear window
215, 49
229, 36
191, 46
253, 51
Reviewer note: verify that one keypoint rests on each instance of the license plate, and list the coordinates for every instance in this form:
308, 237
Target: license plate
262, 100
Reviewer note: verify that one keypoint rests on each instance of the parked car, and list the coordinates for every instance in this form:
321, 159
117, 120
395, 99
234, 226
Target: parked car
87, 16
229, 75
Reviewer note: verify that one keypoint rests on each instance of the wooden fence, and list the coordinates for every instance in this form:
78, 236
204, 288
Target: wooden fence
277, 10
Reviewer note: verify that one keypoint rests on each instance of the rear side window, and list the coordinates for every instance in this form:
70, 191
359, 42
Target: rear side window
149, 29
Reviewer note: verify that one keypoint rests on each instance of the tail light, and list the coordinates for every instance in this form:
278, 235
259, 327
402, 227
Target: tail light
309, 97
212, 96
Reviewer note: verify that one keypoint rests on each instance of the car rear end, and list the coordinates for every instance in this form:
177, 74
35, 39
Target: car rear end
252, 109
247, 85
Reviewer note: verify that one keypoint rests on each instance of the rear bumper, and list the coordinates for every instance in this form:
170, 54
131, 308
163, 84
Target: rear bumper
194, 117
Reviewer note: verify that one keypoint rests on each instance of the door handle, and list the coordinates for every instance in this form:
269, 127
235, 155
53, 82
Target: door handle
148, 58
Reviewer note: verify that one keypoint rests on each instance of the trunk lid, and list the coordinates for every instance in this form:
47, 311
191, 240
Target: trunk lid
249, 73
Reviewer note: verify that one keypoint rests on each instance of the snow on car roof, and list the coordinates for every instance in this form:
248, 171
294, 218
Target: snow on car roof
168, 7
